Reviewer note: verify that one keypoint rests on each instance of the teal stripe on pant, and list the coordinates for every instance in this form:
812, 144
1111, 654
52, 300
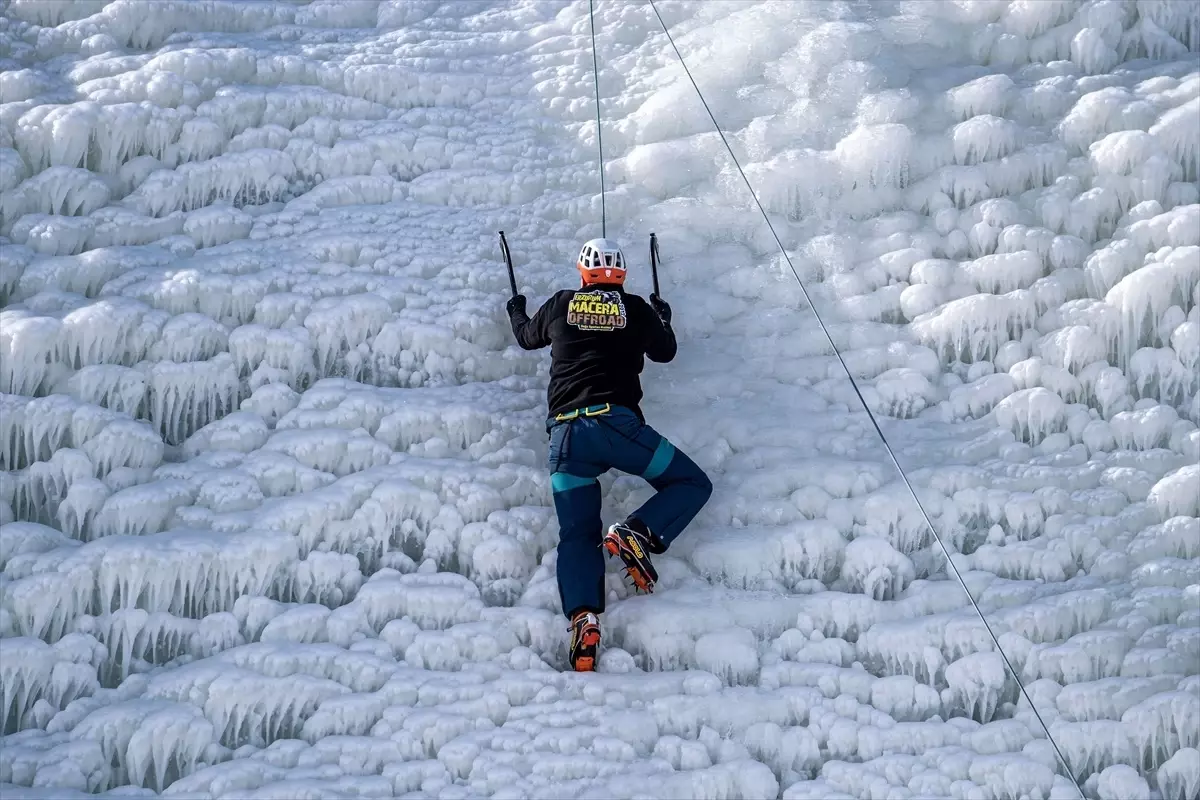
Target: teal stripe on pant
661, 460
562, 482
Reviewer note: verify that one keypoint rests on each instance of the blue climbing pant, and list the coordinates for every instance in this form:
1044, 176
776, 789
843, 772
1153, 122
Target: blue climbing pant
585, 444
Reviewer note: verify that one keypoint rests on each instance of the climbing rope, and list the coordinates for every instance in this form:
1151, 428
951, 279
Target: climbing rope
867, 408
599, 140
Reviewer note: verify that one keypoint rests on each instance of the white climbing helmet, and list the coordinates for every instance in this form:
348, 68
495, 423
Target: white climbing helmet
601, 261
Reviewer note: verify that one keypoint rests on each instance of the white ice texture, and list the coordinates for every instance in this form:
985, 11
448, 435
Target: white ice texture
274, 518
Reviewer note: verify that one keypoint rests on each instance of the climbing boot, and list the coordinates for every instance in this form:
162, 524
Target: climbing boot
633, 546
585, 641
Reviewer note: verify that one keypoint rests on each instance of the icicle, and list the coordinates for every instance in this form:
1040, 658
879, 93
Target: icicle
989, 95
124, 443
185, 397
1157, 374
83, 501
1014, 776
1092, 52
25, 666
1093, 214
345, 191
48, 426
1003, 272
167, 745
142, 509
342, 325
119, 389
189, 337
972, 328
1163, 725
110, 331
246, 178
903, 392
54, 235
217, 224
1178, 493
57, 135
51, 13
1176, 133
1179, 776
13, 452
1094, 115
1072, 347
73, 588
287, 349
875, 568
1143, 296
30, 353
1178, 22
67, 191
984, 138
45, 484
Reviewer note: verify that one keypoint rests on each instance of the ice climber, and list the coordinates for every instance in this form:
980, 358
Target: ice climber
599, 335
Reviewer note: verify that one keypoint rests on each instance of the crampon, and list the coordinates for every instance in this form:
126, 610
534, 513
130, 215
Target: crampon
632, 547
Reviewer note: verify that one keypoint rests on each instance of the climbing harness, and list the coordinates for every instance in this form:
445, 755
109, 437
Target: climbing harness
870, 414
590, 411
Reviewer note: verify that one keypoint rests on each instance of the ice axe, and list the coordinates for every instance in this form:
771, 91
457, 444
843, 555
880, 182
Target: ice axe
512, 278
654, 261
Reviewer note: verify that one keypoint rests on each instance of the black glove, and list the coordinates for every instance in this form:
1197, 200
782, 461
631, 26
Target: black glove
661, 308
516, 304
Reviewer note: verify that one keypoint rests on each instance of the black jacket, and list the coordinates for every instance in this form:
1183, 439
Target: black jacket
598, 335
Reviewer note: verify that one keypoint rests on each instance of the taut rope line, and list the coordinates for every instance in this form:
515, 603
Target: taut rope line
870, 414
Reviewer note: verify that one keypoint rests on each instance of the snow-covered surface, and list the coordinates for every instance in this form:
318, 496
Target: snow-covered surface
275, 518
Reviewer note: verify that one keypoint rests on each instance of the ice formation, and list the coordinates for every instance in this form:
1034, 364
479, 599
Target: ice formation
274, 520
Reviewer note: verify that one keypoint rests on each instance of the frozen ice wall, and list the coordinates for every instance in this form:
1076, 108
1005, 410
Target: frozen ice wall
274, 520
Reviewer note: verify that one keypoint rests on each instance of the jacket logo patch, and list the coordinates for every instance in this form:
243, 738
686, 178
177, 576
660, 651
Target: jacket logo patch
596, 310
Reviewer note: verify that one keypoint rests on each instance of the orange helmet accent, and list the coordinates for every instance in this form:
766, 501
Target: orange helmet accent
616, 276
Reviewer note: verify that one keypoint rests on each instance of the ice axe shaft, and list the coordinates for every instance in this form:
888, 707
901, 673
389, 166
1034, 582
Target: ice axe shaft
654, 262
512, 278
